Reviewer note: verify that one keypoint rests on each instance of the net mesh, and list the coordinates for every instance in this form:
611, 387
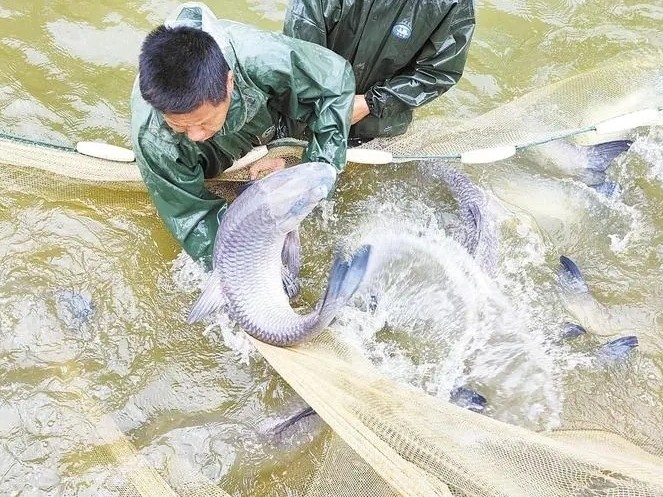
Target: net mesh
570, 107
390, 439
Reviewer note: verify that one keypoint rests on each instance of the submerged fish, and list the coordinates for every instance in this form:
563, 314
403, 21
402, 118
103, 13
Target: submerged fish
73, 308
480, 238
469, 399
249, 250
573, 282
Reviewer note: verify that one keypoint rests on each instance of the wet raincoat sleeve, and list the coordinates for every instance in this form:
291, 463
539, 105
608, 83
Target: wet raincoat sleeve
311, 21
437, 68
174, 176
310, 84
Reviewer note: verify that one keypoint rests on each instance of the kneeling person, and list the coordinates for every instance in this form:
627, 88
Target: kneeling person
210, 90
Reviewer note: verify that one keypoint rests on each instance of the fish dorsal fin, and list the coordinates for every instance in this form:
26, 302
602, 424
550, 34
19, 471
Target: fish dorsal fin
209, 300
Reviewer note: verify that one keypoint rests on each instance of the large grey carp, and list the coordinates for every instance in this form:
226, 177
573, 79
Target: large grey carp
249, 251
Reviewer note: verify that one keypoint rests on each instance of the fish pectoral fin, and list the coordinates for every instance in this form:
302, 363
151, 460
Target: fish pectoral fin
292, 262
290, 283
291, 253
209, 300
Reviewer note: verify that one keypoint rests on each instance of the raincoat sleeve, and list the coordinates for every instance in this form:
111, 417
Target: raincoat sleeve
438, 67
174, 176
310, 84
311, 21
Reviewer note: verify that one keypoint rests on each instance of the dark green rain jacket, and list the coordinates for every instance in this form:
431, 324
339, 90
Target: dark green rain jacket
277, 79
404, 53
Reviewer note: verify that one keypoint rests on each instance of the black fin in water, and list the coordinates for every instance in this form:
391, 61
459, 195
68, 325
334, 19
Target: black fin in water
600, 156
208, 301
304, 413
571, 277
572, 330
616, 350
469, 399
344, 279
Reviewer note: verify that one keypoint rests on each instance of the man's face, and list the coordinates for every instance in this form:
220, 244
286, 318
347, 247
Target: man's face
203, 122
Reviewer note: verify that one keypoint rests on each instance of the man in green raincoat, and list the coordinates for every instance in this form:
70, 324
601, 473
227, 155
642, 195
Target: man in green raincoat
404, 53
210, 90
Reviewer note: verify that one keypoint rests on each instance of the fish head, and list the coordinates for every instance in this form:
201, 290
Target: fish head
292, 193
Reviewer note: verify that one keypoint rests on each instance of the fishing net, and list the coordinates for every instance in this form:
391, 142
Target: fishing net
389, 438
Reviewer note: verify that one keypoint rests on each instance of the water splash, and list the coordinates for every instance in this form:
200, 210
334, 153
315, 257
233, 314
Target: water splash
433, 318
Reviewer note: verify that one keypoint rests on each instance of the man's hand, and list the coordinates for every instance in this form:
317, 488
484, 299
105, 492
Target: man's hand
268, 164
360, 109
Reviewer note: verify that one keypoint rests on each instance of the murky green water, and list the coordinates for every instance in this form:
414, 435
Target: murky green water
92, 314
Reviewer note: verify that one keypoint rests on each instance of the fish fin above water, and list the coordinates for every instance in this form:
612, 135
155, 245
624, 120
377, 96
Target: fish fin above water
291, 254
572, 330
209, 300
616, 350
292, 262
469, 399
344, 279
570, 276
600, 156
304, 413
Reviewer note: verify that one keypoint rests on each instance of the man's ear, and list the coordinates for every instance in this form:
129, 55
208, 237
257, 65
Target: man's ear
229, 83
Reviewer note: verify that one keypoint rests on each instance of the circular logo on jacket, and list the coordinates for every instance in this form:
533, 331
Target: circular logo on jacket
401, 30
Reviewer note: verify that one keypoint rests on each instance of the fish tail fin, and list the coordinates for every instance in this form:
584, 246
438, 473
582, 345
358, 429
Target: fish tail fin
570, 276
344, 279
208, 301
600, 156
616, 350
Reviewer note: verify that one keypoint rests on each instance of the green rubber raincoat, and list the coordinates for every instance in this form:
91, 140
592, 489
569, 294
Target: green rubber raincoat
277, 80
404, 53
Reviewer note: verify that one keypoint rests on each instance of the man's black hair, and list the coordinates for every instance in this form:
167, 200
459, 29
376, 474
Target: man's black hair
180, 69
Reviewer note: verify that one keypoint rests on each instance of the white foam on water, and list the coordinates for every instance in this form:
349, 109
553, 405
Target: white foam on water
191, 276
650, 149
440, 322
